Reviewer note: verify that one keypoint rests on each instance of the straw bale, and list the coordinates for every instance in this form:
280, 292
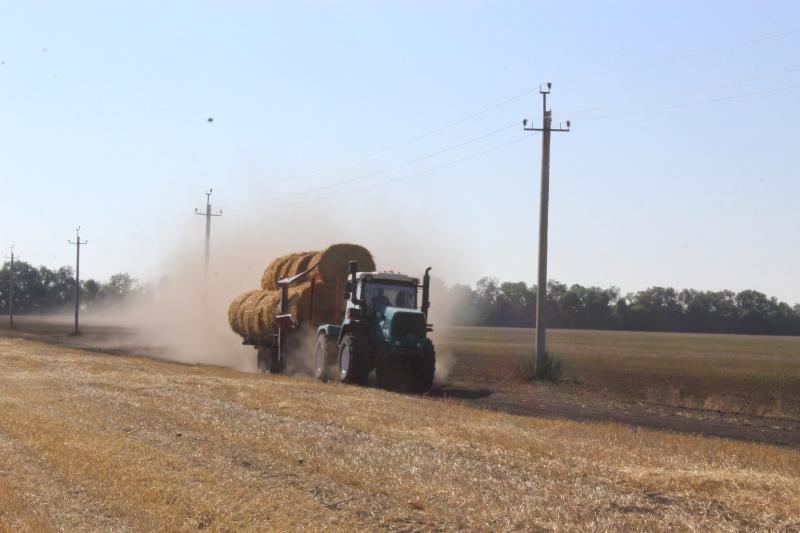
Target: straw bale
274, 270
254, 305
253, 313
234, 311
332, 262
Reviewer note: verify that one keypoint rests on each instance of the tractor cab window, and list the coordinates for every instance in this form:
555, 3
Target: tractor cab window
381, 295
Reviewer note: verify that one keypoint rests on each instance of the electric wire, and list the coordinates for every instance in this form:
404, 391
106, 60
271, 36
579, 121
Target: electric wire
407, 176
496, 105
389, 169
695, 103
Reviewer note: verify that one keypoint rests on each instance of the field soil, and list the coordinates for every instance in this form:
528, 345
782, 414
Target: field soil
94, 442
732, 386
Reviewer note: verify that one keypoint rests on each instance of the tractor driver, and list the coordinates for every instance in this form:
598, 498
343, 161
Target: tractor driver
379, 300
404, 299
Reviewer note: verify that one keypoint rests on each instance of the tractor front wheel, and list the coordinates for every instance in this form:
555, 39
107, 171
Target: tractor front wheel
390, 372
423, 368
353, 361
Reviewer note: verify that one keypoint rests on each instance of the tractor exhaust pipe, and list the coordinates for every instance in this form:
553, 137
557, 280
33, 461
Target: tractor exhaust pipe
426, 292
352, 268
284, 299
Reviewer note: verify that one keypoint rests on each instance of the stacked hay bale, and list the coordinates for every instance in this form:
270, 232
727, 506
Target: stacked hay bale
317, 299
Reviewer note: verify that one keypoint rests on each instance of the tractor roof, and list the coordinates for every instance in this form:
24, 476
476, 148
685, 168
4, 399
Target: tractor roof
387, 276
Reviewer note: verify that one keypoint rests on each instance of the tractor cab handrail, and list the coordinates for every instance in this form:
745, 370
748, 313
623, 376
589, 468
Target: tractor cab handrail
289, 281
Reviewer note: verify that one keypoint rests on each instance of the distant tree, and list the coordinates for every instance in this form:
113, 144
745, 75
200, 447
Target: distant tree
656, 309
118, 287
91, 292
461, 306
516, 303
490, 303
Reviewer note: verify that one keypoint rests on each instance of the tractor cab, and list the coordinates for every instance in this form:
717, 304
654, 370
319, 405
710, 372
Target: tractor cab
381, 290
385, 328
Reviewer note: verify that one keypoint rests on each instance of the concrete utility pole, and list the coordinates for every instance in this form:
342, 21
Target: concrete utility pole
11, 291
77, 244
208, 214
544, 200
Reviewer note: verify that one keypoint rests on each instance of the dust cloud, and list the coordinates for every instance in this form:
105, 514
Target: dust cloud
188, 322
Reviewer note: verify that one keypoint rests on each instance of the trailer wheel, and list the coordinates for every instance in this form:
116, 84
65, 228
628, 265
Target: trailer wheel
268, 360
324, 356
353, 361
423, 368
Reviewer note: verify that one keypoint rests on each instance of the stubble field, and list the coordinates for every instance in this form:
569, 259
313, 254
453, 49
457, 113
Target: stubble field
96, 442
747, 374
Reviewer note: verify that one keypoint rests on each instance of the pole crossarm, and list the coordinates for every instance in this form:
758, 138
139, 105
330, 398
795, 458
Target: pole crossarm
550, 129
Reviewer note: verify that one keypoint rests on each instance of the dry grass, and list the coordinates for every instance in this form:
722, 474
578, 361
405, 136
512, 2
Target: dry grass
91, 442
735, 373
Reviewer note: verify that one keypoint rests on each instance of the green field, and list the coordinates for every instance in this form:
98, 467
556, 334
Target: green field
735, 373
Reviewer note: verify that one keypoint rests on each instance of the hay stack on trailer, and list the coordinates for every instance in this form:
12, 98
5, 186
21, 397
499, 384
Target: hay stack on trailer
331, 264
318, 299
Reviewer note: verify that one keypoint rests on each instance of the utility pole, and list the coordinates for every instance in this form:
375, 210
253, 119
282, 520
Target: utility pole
544, 200
76, 332
208, 214
11, 292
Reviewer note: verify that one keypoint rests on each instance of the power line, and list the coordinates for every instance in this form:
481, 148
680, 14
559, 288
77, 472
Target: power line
504, 102
405, 177
512, 99
497, 105
389, 169
456, 161
392, 146
697, 89
709, 51
695, 103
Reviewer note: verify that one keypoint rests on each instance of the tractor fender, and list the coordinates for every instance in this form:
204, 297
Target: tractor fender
330, 331
343, 330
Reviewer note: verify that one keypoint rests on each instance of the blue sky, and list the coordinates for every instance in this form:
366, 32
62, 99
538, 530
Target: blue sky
681, 167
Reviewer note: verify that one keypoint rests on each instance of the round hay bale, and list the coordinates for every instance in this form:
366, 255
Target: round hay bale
234, 311
273, 271
250, 315
333, 261
260, 315
240, 321
330, 263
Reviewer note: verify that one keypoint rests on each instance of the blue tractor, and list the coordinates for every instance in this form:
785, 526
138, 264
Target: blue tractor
383, 329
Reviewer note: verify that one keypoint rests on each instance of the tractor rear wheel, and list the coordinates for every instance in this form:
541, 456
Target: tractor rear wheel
324, 356
353, 361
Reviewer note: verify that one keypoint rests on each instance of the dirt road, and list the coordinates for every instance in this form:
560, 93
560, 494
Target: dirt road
556, 403
93, 442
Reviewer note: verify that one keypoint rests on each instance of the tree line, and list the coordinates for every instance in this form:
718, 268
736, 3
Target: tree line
42, 290
490, 303
512, 304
